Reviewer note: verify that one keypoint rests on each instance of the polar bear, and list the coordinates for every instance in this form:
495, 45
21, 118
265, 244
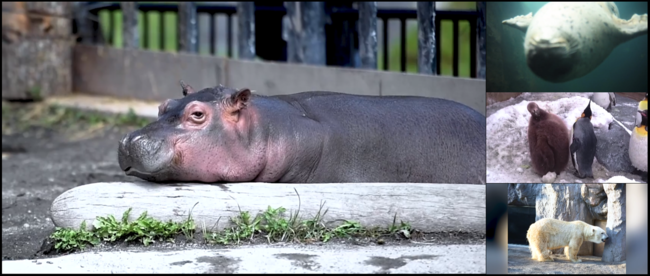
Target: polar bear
547, 234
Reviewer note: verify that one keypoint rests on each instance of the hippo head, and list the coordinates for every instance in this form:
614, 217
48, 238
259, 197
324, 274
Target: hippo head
551, 53
202, 137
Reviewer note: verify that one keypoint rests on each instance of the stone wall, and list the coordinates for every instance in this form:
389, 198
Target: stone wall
36, 49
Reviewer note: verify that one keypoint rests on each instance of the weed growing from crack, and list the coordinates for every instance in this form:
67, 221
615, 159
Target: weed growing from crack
270, 224
144, 229
70, 239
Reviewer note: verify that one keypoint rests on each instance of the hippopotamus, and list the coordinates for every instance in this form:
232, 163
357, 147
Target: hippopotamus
225, 135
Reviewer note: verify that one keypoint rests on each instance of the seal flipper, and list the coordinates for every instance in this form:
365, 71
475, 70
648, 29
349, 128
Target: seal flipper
636, 26
521, 22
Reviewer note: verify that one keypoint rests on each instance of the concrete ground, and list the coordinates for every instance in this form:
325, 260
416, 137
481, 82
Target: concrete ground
40, 163
268, 259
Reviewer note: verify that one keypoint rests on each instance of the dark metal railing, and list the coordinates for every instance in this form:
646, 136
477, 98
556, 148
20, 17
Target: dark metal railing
403, 15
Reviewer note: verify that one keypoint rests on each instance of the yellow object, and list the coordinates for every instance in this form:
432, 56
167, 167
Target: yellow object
641, 131
643, 105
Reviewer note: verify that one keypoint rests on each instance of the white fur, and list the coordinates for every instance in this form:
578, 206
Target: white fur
548, 234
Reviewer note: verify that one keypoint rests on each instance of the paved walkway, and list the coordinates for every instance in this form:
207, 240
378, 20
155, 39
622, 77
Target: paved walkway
268, 259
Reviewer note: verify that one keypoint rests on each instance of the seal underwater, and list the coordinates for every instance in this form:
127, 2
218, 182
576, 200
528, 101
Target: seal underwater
548, 141
583, 144
567, 40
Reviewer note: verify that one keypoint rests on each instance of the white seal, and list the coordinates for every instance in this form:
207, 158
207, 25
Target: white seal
567, 40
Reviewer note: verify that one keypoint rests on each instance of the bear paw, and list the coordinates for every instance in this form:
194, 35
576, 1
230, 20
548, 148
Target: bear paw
577, 261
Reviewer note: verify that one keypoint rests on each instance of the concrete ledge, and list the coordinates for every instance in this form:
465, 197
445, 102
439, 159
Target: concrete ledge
427, 207
148, 109
149, 75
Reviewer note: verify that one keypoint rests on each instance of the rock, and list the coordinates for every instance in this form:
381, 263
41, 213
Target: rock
36, 50
564, 202
523, 194
621, 179
613, 144
615, 247
549, 177
612, 147
596, 199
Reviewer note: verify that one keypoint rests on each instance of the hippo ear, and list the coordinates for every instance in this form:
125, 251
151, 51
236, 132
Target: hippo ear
240, 99
236, 102
187, 89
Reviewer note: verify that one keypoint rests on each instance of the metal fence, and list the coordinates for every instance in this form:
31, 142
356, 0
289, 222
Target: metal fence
188, 28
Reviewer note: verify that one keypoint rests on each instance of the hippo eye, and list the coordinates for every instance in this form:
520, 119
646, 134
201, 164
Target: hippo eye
197, 114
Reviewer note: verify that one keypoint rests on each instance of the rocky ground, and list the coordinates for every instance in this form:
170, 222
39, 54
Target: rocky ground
520, 262
44, 153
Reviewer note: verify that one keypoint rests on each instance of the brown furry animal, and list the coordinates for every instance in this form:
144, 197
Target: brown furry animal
548, 141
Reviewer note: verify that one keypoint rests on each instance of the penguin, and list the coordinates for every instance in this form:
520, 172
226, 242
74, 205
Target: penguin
643, 104
605, 100
548, 141
638, 148
583, 144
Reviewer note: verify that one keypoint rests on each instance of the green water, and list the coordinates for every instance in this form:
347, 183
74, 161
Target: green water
624, 70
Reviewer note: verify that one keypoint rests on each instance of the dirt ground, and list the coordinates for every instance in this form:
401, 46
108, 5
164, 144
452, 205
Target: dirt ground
520, 262
41, 160
46, 152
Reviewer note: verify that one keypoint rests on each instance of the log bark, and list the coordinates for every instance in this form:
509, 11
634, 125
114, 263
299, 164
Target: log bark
130, 25
36, 49
246, 21
427, 207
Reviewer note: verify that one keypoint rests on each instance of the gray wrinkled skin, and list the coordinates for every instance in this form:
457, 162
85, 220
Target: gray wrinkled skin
311, 137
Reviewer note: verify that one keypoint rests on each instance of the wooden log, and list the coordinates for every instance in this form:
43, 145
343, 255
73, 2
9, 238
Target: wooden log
312, 15
480, 7
427, 207
246, 23
36, 49
130, 25
368, 34
427, 38
293, 28
187, 27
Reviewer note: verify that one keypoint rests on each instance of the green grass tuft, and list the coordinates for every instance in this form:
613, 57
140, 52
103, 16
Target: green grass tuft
144, 229
271, 225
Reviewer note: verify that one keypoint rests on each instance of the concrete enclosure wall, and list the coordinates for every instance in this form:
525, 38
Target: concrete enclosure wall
149, 75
